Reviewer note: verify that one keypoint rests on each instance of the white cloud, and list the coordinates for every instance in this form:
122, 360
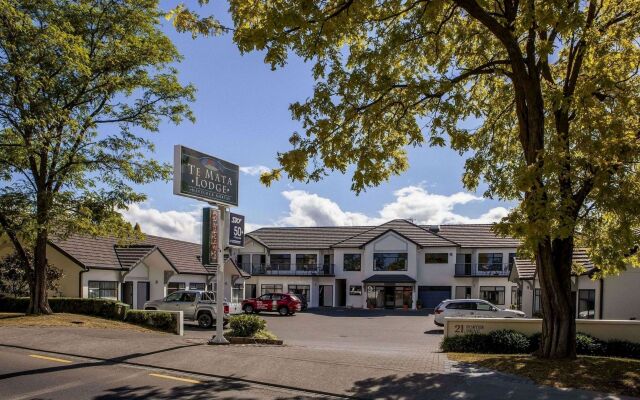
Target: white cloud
254, 170
310, 209
411, 202
182, 225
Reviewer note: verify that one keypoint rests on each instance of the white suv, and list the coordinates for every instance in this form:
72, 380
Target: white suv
472, 308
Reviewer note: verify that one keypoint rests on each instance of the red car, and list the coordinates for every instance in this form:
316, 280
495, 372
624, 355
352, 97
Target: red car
284, 304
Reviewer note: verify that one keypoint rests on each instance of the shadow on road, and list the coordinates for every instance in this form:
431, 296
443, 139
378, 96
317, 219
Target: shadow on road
434, 332
365, 313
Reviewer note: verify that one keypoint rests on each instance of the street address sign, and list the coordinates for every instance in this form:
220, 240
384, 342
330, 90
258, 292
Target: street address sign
204, 177
236, 230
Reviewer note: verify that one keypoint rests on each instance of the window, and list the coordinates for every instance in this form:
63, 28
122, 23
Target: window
490, 262
306, 262
586, 303
250, 291
352, 262
175, 286
281, 261
208, 296
188, 297
466, 305
481, 306
173, 297
537, 306
463, 292
355, 290
436, 258
390, 262
492, 294
273, 288
103, 289
516, 297
300, 290
196, 286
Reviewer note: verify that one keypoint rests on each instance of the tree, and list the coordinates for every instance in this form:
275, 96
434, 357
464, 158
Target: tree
543, 96
15, 275
79, 81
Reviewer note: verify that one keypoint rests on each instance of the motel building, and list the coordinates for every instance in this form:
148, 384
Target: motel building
393, 265
399, 264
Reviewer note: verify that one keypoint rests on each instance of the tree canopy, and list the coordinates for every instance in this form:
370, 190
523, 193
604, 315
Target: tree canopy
79, 82
542, 96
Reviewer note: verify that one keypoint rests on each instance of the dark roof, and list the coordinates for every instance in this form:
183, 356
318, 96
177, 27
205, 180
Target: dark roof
326, 237
304, 238
130, 256
418, 235
106, 252
526, 268
384, 278
475, 235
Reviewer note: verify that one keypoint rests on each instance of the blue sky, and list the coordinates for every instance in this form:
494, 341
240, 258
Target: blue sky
242, 116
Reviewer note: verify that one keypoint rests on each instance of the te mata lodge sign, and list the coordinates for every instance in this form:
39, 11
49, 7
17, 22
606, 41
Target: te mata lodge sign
204, 177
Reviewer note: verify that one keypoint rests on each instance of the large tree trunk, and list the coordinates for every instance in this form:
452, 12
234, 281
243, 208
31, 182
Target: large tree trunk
554, 261
39, 303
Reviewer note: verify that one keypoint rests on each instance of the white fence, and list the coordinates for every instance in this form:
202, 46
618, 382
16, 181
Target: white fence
601, 329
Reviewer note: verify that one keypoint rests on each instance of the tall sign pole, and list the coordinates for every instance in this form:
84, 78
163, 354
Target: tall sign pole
215, 181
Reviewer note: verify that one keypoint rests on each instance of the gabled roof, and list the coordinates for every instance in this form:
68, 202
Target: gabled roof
311, 238
410, 231
131, 256
475, 235
107, 253
526, 269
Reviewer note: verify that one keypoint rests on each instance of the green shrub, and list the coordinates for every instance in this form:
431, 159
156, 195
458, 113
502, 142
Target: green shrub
589, 346
471, 343
163, 321
97, 307
246, 325
623, 348
534, 342
508, 342
265, 334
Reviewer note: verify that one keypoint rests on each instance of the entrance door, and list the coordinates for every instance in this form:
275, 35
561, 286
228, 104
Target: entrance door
463, 262
389, 297
127, 293
143, 294
325, 296
250, 291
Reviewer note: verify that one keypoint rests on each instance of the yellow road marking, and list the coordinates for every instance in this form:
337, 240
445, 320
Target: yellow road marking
60, 360
175, 378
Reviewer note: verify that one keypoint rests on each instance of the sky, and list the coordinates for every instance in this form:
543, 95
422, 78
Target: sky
242, 116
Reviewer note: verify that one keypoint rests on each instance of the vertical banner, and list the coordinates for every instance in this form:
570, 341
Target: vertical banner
236, 230
210, 222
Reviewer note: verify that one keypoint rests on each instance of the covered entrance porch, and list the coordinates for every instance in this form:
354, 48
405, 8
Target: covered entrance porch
390, 291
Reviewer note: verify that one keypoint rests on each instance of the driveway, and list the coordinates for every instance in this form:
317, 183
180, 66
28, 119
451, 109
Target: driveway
355, 353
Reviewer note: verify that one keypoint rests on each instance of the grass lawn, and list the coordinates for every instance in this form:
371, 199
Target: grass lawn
65, 319
602, 374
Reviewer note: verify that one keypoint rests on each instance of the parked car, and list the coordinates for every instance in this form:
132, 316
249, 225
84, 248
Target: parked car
471, 308
284, 304
303, 301
195, 305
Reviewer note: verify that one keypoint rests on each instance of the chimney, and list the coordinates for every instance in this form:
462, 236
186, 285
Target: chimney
434, 228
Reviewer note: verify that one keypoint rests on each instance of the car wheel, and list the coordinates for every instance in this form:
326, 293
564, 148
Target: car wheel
283, 311
248, 309
205, 320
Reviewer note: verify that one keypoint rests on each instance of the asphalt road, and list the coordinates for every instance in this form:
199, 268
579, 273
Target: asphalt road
38, 375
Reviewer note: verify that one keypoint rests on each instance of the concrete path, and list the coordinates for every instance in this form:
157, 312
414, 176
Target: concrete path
377, 359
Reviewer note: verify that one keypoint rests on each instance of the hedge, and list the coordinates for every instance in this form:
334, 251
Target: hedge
512, 342
246, 325
160, 320
97, 307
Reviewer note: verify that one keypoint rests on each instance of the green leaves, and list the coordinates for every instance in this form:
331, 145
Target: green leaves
79, 82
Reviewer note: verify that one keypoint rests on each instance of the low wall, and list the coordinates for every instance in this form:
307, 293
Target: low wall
601, 329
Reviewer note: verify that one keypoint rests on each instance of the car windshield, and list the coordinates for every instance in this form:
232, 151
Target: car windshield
294, 297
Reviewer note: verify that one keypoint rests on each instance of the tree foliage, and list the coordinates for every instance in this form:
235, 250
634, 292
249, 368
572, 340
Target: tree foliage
16, 275
79, 82
542, 95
